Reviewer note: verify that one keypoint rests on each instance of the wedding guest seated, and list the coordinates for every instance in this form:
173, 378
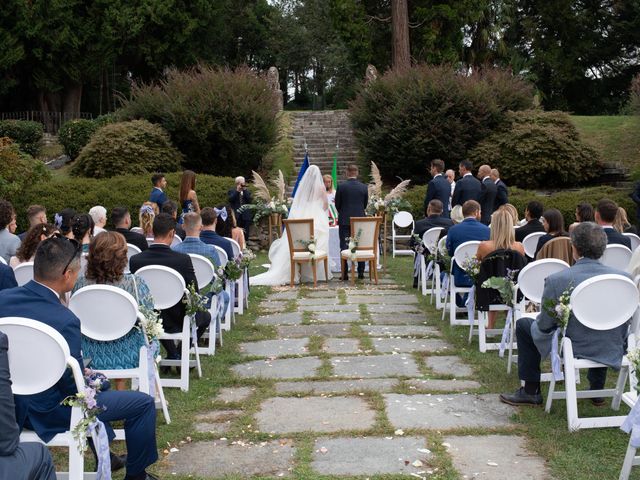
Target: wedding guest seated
532, 215
99, 216
621, 223
553, 224
226, 225
160, 253
208, 234
171, 207
56, 267
584, 213
106, 263
502, 238
9, 243
606, 211
63, 221
148, 212
36, 214
121, 220
433, 218
82, 229
7, 278
34, 236
18, 460
534, 336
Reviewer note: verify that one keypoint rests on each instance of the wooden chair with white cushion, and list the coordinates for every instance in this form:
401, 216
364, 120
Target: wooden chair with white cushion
367, 249
301, 230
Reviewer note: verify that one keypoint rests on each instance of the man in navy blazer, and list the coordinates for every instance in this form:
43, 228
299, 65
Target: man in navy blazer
606, 211
469, 229
352, 197
438, 187
502, 197
157, 194
209, 235
488, 194
55, 271
468, 187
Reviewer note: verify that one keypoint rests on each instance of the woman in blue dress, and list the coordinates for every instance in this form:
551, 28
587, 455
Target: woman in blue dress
105, 266
188, 197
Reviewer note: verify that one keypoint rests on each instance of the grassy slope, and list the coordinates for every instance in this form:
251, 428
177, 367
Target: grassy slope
617, 138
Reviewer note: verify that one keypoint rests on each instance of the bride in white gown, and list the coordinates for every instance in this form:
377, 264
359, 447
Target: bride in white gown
310, 202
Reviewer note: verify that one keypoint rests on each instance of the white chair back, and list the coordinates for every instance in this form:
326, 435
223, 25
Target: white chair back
3, 261
132, 250
137, 230
236, 247
23, 273
205, 271
465, 251
223, 256
176, 241
530, 242
442, 245
635, 240
403, 219
32, 346
166, 285
616, 256
531, 278
430, 238
116, 316
604, 302
368, 228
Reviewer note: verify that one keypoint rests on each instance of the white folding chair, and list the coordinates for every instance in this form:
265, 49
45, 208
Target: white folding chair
616, 256
229, 316
116, 316
167, 288
401, 220
430, 242
630, 398
137, 230
23, 273
38, 357
530, 243
635, 240
437, 287
205, 274
601, 303
464, 251
176, 241
240, 283
131, 251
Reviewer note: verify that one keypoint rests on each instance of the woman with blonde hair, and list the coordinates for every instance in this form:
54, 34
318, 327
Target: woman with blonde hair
513, 211
188, 197
148, 212
621, 223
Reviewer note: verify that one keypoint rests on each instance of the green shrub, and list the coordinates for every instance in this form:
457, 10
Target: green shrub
403, 120
135, 147
539, 149
280, 156
130, 191
26, 134
217, 118
18, 170
75, 134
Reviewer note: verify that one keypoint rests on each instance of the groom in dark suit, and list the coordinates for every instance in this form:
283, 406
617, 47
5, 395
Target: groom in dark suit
438, 187
352, 197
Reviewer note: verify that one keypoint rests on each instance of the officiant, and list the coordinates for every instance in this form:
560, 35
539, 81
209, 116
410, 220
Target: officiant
238, 197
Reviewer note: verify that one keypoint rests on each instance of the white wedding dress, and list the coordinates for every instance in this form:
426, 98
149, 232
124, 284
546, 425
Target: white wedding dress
310, 202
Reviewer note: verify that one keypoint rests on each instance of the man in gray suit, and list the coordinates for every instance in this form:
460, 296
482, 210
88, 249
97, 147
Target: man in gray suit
19, 461
534, 336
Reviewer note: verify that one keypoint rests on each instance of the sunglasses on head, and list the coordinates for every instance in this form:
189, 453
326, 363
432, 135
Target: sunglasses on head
77, 246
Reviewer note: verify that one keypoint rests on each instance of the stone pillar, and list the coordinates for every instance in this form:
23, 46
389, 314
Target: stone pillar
273, 80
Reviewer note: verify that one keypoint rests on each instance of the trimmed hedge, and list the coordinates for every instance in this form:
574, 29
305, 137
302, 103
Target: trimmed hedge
539, 149
75, 134
565, 201
18, 170
25, 133
130, 191
135, 148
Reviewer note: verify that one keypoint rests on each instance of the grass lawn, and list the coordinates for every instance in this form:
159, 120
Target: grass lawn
616, 138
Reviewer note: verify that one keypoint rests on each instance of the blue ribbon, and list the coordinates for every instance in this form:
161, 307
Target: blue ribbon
232, 295
429, 269
445, 286
220, 310
471, 305
556, 364
152, 353
631, 425
505, 333
101, 441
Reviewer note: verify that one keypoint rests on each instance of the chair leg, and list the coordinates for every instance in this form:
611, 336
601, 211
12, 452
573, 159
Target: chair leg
375, 271
314, 267
184, 363
293, 271
573, 420
353, 272
370, 270
76, 463
628, 462
622, 381
160, 393
326, 270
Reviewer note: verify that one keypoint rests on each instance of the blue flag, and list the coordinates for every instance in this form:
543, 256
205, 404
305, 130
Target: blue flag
303, 169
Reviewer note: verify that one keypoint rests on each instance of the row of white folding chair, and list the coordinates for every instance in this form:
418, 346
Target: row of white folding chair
206, 274
241, 283
462, 253
402, 220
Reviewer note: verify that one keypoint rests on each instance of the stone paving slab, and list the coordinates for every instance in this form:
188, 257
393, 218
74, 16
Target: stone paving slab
392, 309
337, 317
291, 318
373, 291
234, 394
375, 366
443, 412
284, 295
322, 294
338, 386
369, 455
408, 345
216, 421
217, 459
282, 368
433, 384
274, 306
304, 302
330, 307
314, 414
276, 348
332, 330
495, 457
401, 330
448, 365
342, 345
402, 319
384, 299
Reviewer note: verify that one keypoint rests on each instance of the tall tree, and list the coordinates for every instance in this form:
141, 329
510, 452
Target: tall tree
400, 51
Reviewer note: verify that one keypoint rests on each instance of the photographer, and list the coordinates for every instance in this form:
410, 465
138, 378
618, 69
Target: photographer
238, 197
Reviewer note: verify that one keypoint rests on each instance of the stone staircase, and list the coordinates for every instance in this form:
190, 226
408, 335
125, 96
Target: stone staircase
322, 131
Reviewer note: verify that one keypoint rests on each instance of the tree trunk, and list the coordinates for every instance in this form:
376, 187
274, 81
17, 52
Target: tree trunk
72, 98
400, 53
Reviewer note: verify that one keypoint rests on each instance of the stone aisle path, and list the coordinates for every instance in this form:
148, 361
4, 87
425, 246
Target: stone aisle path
357, 385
